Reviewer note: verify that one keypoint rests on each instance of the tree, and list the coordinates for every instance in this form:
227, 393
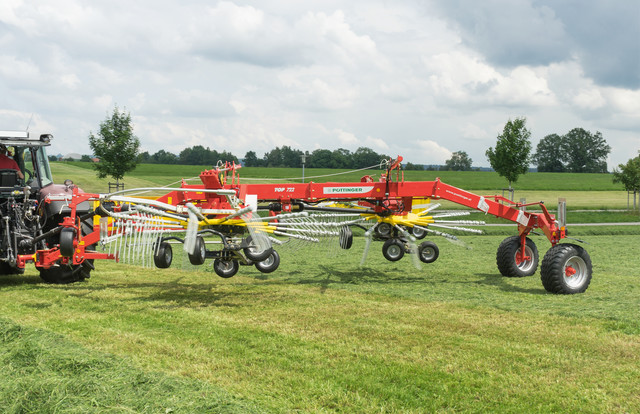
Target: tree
510, 159
416, 167
115, 146
629, 174
459, 161
144, 158
320, 158
549, 154
291, 158
366, 157
251, 159
585, 152
164, 157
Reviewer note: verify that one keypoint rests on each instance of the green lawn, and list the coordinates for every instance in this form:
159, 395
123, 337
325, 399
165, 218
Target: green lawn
324, 335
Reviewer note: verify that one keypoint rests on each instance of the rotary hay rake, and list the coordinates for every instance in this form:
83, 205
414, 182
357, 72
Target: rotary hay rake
248, 222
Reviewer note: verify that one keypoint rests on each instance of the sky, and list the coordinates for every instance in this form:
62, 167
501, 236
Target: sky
420, 79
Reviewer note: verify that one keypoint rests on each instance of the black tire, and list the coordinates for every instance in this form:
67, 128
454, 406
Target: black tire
225, 268
8, 269
418, 233
566, 268
67, 237
428, 252
393, 250
384, 230
346, 237
269, 264
163, 257
63, 274
510, 264
199, 253
252, 253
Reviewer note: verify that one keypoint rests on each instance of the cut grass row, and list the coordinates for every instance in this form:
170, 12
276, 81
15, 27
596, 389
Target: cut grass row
324, 335
47, 373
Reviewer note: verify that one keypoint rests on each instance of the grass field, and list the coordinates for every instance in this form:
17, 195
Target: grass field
333, 337
322, 334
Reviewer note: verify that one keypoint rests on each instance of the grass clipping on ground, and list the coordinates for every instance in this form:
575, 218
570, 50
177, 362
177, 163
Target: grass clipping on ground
43, 372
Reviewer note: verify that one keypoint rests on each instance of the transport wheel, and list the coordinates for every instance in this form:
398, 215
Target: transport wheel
428, 252
393, 250
163, 257
67, 236
253, 252
63, 273
346, 237
418, 233
269, 264
200, 252
566, 268
510, 261
67, 273
225, 268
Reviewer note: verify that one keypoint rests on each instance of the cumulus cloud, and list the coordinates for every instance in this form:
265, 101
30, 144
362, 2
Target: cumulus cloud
256, 75
434, 152
602, 34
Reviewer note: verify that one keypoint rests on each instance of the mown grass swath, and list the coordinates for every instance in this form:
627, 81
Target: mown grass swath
325, 335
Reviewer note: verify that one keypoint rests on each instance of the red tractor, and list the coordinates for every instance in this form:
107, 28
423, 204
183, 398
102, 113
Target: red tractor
41, 222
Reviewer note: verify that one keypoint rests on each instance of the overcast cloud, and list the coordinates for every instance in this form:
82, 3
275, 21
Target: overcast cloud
419, 79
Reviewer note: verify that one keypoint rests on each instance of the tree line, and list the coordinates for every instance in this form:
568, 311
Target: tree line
284, 156
577, 151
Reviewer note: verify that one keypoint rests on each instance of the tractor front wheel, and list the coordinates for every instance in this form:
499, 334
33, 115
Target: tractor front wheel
512, 263
566, 268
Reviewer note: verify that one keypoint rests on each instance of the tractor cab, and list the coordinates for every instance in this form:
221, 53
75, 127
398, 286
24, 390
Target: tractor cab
29, 155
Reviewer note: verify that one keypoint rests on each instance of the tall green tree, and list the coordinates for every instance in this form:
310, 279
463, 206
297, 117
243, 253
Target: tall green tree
549, 154
459, 161
629, 174
115, 146
251, 159
164, 157
320, 158
585, 152
511, 157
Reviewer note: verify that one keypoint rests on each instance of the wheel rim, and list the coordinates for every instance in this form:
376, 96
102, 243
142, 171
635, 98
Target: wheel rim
418, 233
575, 271
394, 251
384, 229
226, 266
268, 261
428, 253
527, 264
